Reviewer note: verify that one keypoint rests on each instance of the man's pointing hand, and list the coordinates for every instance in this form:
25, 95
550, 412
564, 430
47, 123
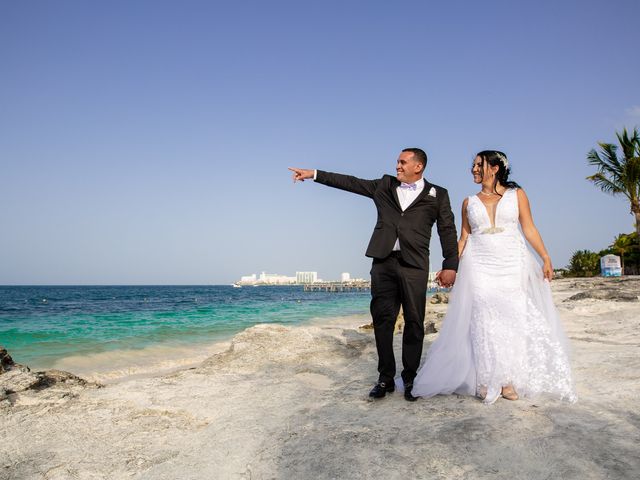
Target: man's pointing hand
300, 174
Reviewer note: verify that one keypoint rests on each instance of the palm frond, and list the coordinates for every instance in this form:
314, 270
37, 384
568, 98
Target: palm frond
618, 175
611, 155
607, 160
630, 144
605, 184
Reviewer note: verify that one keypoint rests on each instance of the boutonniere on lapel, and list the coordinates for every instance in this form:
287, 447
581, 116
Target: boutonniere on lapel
432, 192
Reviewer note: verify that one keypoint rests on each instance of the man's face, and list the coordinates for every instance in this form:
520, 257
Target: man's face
408, 170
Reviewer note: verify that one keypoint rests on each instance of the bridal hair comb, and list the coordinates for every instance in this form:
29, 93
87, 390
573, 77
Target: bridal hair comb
503, 159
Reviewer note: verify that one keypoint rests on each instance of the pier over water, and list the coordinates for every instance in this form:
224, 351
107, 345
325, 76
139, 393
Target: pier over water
359, 287
338, 287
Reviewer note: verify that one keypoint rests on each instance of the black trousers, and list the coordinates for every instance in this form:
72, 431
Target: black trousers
395, 283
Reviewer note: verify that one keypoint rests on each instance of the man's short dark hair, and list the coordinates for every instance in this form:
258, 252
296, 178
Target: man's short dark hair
419, 155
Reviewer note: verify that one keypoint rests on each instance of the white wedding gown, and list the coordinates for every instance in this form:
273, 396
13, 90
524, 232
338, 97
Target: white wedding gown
501, 327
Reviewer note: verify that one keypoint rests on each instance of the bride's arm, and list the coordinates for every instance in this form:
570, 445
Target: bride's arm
531, 233
466, 228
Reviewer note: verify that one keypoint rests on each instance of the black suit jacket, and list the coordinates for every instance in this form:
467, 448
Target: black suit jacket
412, 227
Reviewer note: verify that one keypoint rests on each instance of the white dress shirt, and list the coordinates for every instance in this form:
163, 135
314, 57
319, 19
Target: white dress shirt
406, 197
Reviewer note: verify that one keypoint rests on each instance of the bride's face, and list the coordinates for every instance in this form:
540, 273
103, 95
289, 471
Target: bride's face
482, 171
477, 170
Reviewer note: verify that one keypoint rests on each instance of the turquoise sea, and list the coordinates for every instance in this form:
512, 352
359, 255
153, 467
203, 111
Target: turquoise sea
87, 328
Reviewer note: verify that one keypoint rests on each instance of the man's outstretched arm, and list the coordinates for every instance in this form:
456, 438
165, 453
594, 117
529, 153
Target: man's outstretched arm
337, 180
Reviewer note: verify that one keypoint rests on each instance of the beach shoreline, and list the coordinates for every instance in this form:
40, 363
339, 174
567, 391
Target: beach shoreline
117, 366
106, 333
291, 402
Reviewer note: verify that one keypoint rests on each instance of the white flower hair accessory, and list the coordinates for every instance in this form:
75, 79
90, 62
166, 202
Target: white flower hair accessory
503, 159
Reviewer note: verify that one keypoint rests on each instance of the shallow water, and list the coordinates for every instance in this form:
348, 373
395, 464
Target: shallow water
85, 328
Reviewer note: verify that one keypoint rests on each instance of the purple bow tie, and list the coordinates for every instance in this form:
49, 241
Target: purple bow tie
409, 186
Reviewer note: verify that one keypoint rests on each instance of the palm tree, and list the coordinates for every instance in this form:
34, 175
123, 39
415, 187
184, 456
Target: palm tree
619, 175
621, 245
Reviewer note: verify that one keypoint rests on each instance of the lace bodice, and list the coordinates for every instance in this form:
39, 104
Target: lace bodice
506, 214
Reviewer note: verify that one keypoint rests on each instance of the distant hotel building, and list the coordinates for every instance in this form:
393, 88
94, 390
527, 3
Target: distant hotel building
249, 279
306, 277
301, 278
275, 279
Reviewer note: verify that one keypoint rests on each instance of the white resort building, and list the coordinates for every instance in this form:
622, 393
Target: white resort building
306, 277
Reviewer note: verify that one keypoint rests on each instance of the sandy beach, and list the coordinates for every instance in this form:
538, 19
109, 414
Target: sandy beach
291, 403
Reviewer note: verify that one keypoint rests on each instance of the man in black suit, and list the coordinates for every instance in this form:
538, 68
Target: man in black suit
408, 206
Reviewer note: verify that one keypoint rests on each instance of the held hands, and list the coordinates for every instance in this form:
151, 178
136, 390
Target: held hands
446, 278
300, 174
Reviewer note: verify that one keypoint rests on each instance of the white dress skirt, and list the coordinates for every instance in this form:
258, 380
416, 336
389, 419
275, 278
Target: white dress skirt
501, 326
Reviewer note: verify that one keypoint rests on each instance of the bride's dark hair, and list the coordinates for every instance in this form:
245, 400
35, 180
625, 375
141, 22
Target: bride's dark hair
499, 159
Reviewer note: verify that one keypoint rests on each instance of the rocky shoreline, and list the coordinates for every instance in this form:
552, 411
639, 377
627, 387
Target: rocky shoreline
16, 380
290, 402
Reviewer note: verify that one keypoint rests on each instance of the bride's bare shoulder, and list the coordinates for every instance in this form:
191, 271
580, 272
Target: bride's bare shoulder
521, 194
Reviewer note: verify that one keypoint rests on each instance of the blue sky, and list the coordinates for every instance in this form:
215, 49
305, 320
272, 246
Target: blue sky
147, 142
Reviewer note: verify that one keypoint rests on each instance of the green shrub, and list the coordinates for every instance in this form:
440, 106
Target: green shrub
584, 263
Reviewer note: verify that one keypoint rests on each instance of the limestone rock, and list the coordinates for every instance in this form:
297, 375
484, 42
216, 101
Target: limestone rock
617, 289
49, 378
21, 378
430, 327
6, 362
440, 297
611, 294
18, 380
278, 347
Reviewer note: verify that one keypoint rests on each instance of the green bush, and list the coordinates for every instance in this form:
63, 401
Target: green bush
584, 263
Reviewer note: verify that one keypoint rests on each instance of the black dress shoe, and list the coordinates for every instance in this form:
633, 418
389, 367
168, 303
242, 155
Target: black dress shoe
408, 387
380, 389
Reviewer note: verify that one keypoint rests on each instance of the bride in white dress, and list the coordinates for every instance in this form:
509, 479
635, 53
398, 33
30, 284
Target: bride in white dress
501, 335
